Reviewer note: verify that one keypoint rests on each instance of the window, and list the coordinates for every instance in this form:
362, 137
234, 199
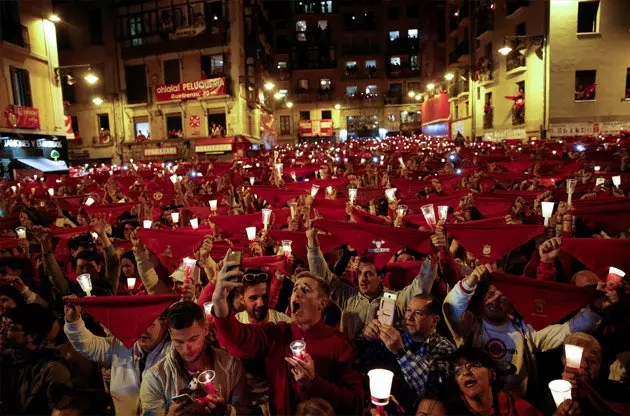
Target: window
95, 23
216, 123
75, 126
305, 115
393, 13
142, 126
521, 29
414, 62
281, 65
395, 89
371, 90
136, 30
301, 36
174, 125
284, 93
627, 94
393, 35
351, 64
136, 84
324, 83
21, 85
303, 84
285, 124
351, 90
171, 71
391, 117
394, 60
520, 86
585, 87
412, 11
587, 16
456, 112
68, 91
370, 64
212, 65
412, 33
466, 108
326, 114
322, 24
300, 26
488, 99
103, 122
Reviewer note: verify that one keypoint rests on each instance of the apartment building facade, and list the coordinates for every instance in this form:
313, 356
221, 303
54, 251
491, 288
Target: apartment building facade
350, 69
32, 123
525, 69
174, 71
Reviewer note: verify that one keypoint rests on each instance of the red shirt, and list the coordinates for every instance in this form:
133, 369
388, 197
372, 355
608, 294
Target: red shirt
335, 378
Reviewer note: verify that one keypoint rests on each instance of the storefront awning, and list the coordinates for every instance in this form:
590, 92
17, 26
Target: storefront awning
45, 165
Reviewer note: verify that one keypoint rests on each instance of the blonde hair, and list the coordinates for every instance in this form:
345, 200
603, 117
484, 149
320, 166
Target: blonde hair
584, 340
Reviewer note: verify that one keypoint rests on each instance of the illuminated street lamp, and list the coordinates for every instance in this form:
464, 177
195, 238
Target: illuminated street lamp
90, 78
337, 106
269, 85
289, 104
449, 76
505, 50
54, 18
430, 86
278, 96
97, 100
411, 94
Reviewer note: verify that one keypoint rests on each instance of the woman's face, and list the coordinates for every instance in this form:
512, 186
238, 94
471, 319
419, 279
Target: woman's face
128, 268
473, 379
25, 220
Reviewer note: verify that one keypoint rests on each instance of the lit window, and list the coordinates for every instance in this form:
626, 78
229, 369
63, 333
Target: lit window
283, 92
351, 64
282, 64
303, 83
300, 26
391, 117
394, 60
352, 90
322, 24
301, 37
393, 35
370, 64
371, 89
412, 33
324, 83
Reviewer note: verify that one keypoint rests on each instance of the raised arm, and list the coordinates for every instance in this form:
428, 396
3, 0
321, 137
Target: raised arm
51, 267
87, 344
421, 284
112, 259
147, 273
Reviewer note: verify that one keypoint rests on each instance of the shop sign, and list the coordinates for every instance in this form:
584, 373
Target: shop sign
317, 128
160, 151
213, 148
204, 88
187, 32
23, 117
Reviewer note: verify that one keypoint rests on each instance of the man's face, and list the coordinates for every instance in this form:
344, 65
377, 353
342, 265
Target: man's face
128, 268
306, 304
256, 301
153, 335
87, 266
496, 306
418, 320
16, 337
6, 303
127, 231
369, 280
189, 342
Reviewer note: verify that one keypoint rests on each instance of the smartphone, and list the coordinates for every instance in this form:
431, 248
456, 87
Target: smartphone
234, 256
183, 398
387, 309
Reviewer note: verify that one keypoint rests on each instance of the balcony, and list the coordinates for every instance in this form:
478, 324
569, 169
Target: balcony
363, 100
354, 72
485, 71
515, 62
15, 34
402, 71
363, 49
458, 89
512, 6
400, 45
518, 115
460, 53
392, 98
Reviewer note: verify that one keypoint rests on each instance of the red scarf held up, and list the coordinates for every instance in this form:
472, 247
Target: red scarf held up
542, 303
490, 242
598, 254
126, 317
181, 243
299, 243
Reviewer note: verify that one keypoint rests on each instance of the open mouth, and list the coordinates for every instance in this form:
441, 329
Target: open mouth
295, 306
470, 383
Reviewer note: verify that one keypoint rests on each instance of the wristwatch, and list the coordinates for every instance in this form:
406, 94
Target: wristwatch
401, 353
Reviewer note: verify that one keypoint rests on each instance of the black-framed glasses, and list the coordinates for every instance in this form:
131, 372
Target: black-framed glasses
460, 368
255, 278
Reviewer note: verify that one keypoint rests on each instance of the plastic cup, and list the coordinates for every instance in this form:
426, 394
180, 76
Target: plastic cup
573, 355
251, 233
86, 283
205, 380
380, 386
21, 232
560, 390
297, 348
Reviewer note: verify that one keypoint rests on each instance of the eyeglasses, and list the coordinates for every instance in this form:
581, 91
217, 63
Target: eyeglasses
255, 278
460, 368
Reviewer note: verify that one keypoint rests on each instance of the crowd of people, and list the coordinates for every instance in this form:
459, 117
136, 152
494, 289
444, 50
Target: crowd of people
470, 273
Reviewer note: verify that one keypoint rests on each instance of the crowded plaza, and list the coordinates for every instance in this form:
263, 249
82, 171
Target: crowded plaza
408, 275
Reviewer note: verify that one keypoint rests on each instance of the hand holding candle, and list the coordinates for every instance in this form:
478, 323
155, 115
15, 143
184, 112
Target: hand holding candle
380, 386
205, 380
86, 283
297, 348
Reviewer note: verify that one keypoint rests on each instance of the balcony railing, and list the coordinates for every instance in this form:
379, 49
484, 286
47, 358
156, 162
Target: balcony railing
518, 115
400, 45
515, 60
393, 98
512, 6
363, 100
485, 71
355, 72
16, 34
402, 71
363, 49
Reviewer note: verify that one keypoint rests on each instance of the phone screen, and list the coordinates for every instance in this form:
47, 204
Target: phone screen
183, 398
387, 309
235, 256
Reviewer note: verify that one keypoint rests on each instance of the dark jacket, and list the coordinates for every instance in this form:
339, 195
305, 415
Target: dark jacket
30, 380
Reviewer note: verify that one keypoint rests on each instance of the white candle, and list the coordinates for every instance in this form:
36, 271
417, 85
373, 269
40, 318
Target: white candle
173, 178
314, 190
207, 308
616, 180
330, 190
89, 201
429, 215
194, 223
86, 283
573, 355
175, 217
391, 194
401, 210
560, 390
213, 205
251, 233
597, 168
252, 180
51, 191
147, 223
380, 386
443, 212
266, 216
21, 232
547, 210
352, 194
131, 283
286, 247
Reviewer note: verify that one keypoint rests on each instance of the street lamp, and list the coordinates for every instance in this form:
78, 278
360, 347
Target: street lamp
411, 94
278, 96
449, 76
54, 18
269, 85
430, 86
418, 97
289, 104
97, 100
337, 106
505, 50
90, 78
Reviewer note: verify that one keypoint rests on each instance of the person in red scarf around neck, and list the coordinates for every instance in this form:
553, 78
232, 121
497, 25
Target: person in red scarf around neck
326, 370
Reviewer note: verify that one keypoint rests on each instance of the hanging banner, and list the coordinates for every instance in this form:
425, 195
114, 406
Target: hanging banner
23, 117
204, 88
316, 128
436, 109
